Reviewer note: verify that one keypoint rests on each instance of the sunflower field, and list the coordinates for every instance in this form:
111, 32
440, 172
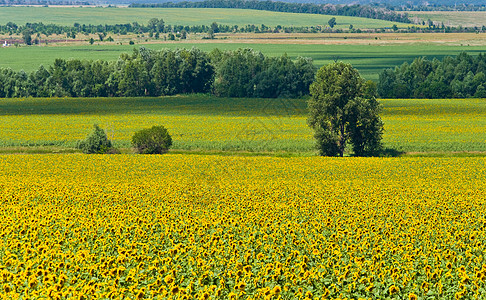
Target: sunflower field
201, 122
211, 227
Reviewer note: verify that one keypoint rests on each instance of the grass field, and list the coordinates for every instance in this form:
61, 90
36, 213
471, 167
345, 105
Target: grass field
178, 16
370, 60
453, 18
210, 227
220, 124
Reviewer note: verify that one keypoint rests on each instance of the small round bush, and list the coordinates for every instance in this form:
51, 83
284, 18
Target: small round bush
96, 143
155, 140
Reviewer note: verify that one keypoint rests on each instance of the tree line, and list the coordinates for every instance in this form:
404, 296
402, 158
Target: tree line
436, 27
239, 73
154, 25
364, 11
463, 76
145, 72
31, 31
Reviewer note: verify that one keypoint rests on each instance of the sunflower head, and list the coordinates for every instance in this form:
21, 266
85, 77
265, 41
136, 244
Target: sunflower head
276, 290
175, 290
393, 289
240, 286
7, 289
412, 296
169, 279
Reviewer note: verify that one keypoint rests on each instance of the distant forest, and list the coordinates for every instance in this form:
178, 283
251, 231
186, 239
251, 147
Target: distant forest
371, 12
463, 76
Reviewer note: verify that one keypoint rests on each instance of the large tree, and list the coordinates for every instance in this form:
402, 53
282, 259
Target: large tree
343, 110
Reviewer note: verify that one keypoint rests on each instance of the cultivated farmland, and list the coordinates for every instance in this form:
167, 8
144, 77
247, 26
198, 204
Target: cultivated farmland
76, 226
235, 124
241, 207
178, 16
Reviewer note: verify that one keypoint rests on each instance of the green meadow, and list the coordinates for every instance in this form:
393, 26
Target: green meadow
206, 123
178, 16
370, 60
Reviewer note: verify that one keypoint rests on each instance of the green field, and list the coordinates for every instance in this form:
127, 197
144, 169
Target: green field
370, 60
453, 18
177, 16
200, 122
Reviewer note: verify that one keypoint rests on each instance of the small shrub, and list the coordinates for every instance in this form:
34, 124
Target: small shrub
155, 140
96, 143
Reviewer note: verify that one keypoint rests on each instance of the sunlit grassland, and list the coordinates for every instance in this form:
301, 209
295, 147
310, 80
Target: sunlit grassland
370, 60
206, 123
178, 16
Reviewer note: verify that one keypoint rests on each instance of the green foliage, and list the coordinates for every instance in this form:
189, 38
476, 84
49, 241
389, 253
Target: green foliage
27, 36
156, 25
144, 73
249, 73
214, 27
155, 140
462, 76
240, 73
179, 71
365, 125
343, 109
332, 22
96, 143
